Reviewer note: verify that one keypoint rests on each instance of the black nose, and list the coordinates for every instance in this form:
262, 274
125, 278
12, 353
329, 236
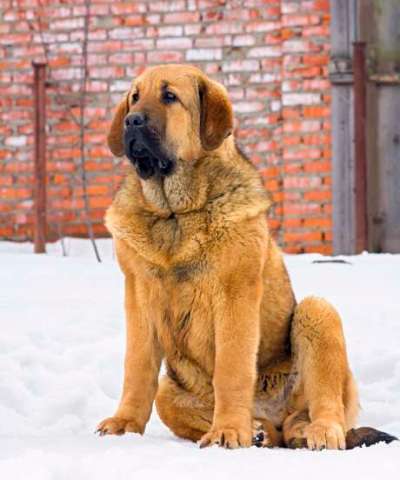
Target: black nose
137, 119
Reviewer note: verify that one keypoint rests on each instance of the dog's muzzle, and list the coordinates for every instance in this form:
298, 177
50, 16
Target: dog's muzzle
144, 149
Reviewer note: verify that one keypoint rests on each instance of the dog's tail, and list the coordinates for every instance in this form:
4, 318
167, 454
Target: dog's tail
366, 436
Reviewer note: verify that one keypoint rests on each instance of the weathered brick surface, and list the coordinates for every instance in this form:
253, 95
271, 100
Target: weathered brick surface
271, 54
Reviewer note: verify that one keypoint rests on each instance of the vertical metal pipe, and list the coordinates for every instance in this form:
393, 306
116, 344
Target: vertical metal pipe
360, 102
39, 94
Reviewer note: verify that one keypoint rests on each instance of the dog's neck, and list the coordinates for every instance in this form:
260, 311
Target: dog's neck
183, 191
187, 189
218, 178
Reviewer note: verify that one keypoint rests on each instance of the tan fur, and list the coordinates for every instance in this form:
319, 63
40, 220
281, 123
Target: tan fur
207, 291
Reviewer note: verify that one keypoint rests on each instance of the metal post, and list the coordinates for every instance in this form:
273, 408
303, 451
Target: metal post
360, 102
39, 95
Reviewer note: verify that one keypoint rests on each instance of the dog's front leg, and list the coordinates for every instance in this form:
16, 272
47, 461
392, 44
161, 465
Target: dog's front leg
236, 344
142, 365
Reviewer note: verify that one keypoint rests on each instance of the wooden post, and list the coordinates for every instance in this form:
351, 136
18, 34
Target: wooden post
39, 94
343, 32
360, 102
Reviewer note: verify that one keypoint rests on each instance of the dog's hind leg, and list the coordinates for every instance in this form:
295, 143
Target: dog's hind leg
182, 412
324, 400
294, 428
265, 434
189, 418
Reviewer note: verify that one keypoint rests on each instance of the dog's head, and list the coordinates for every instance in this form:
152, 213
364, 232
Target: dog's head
172, 113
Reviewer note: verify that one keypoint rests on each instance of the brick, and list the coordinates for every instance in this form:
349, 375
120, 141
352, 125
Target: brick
273, 38
6, 232
323, 195
125, 33
315, 5
301, 126
316, 31
300, 20
301, 153
153, 19
165, 56
134, 20
303, 237
243, 40
292, 99
208, 42
325, 249
6, 180
240, 66
223, 28
172, 43
274, 51
297, 182
106, 72
265, 77
99, 166
182, 17
290, 7
108, 46
248, 107
321, 166
316, 59
15, 38
120, 86
99, 202
197, 54
262, 26
292, 85
296, 46
317, 139
170, 6
317, 222
123, 8
193, 29
15, 193
67, 24
170, 31
316, 111
95, 35
94, 190
305, 72
16, 141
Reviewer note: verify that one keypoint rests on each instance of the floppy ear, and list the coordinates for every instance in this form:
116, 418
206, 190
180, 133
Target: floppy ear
216, 116
114, 138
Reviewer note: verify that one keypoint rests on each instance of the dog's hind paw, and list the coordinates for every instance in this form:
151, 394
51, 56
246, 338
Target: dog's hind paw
356, 437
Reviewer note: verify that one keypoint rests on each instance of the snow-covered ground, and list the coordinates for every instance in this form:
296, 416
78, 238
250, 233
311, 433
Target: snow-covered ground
61, 355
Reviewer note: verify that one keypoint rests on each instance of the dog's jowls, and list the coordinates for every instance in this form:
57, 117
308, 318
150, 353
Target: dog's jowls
206, 289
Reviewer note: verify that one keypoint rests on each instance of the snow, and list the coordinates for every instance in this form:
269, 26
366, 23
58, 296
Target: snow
61, 357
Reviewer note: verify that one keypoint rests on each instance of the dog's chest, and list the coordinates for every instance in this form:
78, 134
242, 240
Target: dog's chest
184, 317
174, 246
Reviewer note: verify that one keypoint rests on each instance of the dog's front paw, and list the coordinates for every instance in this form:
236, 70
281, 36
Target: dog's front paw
227, 438
325, 434
118, 426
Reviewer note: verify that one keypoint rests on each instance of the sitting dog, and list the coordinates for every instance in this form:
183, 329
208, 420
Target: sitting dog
206, 289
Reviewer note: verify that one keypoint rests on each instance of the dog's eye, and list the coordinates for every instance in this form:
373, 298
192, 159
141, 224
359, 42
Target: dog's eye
169, 97
135, 97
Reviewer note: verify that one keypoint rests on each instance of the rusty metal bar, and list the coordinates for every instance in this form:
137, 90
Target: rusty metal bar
39, 94
360, 103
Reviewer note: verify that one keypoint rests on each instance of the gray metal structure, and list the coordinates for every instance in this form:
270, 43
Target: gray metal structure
378, 23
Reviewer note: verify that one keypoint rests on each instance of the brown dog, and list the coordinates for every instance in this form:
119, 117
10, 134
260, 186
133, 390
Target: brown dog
206, 287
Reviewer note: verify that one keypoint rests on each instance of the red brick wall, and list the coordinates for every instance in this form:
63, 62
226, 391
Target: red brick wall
271, 54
